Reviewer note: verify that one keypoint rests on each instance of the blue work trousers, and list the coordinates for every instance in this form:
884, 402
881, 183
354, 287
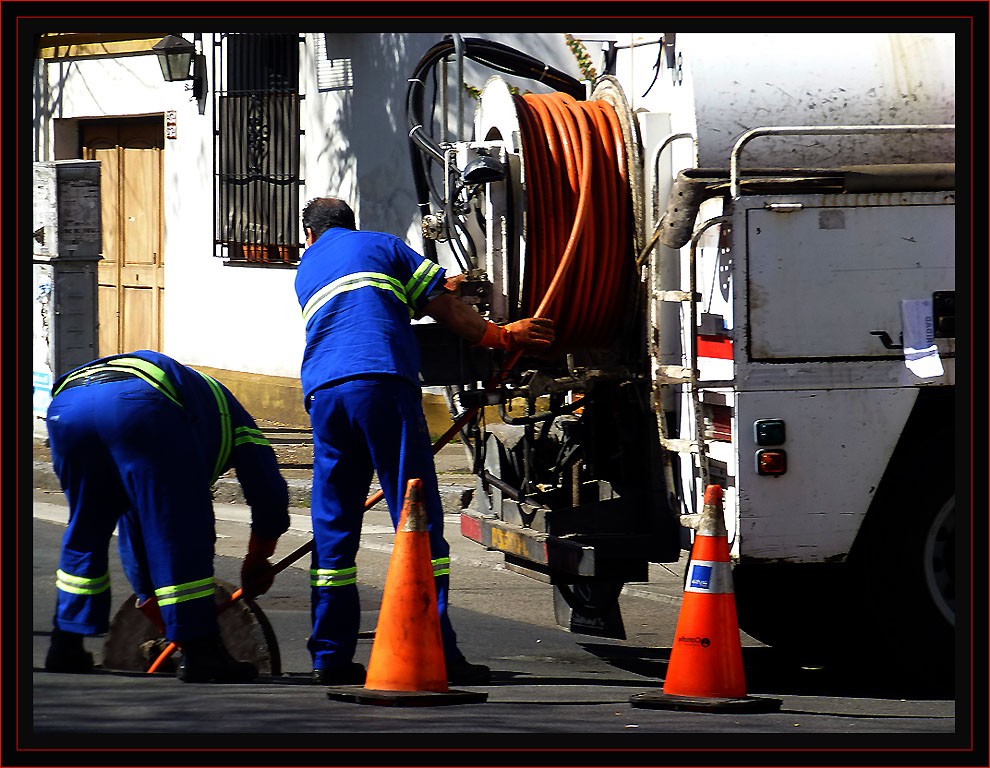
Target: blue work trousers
361, 426
124, 452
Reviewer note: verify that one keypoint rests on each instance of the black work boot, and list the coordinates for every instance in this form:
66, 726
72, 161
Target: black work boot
66, 653
349, 673
462, 672
205, 660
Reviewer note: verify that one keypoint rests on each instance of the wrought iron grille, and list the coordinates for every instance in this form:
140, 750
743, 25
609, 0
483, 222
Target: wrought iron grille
257, 147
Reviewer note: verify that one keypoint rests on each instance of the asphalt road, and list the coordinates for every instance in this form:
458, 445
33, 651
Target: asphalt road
550, 690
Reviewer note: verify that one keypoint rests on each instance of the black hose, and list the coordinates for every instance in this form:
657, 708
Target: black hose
538, 417
513, 493
494, 55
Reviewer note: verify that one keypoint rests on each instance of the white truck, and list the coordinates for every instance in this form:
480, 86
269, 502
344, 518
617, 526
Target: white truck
766, 302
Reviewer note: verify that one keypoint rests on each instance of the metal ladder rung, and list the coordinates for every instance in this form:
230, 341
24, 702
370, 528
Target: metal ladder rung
678, 445
672, 375
676, 374
677, 296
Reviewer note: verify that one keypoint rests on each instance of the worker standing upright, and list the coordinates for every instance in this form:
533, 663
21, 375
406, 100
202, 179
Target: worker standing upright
137, 440
360, 378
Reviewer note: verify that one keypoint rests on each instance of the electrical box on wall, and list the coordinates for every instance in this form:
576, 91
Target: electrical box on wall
66, 244
67, 210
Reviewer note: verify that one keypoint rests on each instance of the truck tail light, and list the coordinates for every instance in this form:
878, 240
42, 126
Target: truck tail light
769, 431
771, 462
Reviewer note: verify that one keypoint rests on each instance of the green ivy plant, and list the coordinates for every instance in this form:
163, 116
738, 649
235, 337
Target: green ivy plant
582, 57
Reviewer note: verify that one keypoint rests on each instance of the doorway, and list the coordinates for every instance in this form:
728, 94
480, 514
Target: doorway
131, 275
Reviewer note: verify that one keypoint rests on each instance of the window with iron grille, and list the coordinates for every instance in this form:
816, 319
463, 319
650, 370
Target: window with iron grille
257, 147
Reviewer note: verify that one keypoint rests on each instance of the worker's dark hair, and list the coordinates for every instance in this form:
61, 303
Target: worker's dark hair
323, 213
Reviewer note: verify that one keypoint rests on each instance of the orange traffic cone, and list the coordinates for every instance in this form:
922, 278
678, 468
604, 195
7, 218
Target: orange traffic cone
407, 665
706, 669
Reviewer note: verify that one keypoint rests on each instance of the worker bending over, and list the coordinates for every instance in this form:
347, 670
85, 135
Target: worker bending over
139, 439
360, 378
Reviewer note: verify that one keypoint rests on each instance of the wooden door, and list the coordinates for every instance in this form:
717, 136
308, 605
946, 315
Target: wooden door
131, 274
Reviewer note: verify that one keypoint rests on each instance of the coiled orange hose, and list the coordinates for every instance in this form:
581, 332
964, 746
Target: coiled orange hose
578, 231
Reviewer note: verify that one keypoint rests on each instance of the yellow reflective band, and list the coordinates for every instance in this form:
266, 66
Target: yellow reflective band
244, 435
182, 593
420, 279
226, 438
441, 566
353, 282
142, 369
81, 585
150, 372
328, 577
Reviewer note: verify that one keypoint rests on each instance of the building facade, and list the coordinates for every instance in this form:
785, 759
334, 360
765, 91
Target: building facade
202, 180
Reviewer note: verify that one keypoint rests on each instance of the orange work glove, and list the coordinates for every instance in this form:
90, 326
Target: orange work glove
530, 334
257, 574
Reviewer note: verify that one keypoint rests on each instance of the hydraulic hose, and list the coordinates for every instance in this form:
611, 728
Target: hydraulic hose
576, 175
576, 172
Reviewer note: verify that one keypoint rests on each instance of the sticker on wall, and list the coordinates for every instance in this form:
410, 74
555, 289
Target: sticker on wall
42, 392
918, 329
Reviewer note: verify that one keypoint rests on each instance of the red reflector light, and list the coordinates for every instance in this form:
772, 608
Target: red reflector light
771, 462
471, 528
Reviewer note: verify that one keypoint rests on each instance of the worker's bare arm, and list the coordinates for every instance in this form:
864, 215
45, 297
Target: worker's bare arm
458, 316
531, 333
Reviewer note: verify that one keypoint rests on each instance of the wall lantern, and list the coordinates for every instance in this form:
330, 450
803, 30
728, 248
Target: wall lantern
175, 55
182, 60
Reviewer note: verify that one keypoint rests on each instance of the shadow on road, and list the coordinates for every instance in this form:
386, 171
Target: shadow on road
769, 671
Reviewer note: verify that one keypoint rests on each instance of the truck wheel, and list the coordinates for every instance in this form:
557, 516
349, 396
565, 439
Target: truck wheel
903, 574
940, 561
888, 611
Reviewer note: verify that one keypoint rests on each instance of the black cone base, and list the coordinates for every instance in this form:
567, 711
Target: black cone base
357, 694
695, 704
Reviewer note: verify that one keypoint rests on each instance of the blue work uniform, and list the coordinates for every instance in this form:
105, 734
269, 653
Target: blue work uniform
360, 378
138, 440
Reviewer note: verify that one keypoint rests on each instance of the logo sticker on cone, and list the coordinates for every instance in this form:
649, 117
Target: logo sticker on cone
706, 668
407, 666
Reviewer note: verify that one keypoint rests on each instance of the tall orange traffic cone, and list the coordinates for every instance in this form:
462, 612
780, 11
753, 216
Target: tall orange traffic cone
407, 665
706, 669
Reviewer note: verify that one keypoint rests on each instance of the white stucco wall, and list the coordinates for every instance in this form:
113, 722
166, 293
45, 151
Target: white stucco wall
355, 145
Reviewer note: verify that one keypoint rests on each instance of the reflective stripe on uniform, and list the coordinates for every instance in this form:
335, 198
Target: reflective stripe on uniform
441, 566
353, 282
226, 437
420, 279
408, 294
81, 585
148, 372
182, 593
330, 577
244, 435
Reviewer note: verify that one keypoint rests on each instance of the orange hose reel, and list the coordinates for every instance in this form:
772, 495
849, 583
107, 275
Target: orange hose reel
577, 198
